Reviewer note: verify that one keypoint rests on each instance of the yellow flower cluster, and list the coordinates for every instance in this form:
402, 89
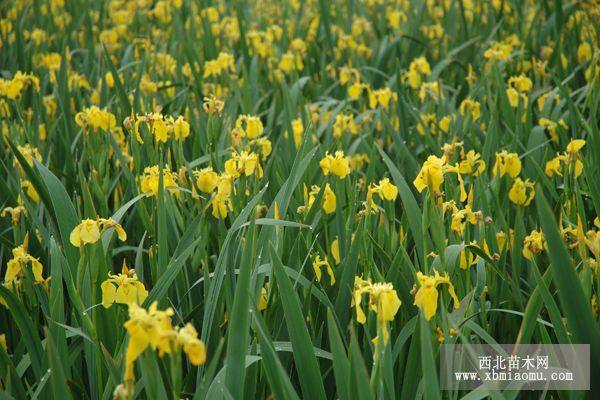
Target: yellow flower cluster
518, 87
222, 64
344, 123
418, 70
96, 119
152, 329
569, 160
160, 127
461, 217
12, 89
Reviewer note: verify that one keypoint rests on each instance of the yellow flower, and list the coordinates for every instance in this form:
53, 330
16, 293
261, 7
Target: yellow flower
445, 122
592, 241
461, 217
206, 179
13, 88
251, 127
145, 329
187, 337
514, 96
521, 83
499, 51
584, 52
418, 69
287, 63
298, 132
552, 127
212, 105
309, 199
344, 123
30, 190
501, 238
96, 119
386, 190
432, 89
522, 192
426, 297
428, 122
355, 90
89, 231
431, 174
471, 163
317, 264
335, 251
570, 159
337, 165
381, 97
15, 213
265, 146
329, 200
472, 107
553, 167
223, 63
221, 205
152, 329
243, 163
29, 153
16, 266
159, 128
575, 145
150, 179
383, 300
535, 243
123, 288
347, 74
507, 163
181, 129
467, 259
262, 302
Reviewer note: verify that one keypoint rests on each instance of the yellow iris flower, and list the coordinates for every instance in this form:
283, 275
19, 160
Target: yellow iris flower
317, 264
152, 329
123, 288
383, 300
426, 297
522, 192
337, 164
89, 231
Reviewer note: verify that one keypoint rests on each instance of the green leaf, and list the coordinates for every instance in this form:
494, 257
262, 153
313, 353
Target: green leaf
430, 379
570, 292
411, 207
276, 375
28, 330
306, 362
341, 366
237, 335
